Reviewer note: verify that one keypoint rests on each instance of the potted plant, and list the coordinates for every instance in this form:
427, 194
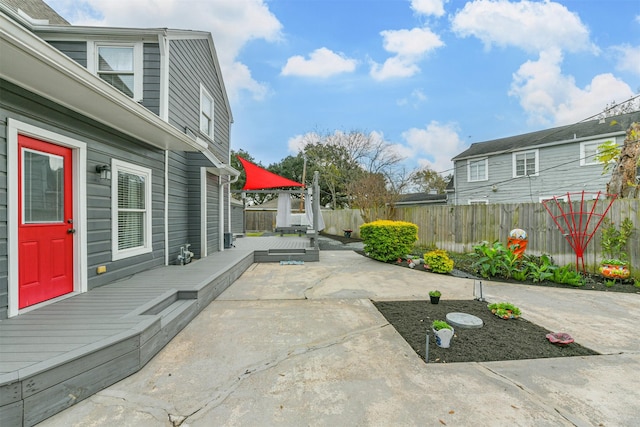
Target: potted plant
434, 296
505, 310
443, 333
614, 241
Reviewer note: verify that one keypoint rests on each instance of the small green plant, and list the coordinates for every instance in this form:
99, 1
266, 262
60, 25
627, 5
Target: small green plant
614, 240
609, 283
568, 276
495, 260
438, 261
504, 310
636, 283
613, 261
541, 271
440, 324
435, 293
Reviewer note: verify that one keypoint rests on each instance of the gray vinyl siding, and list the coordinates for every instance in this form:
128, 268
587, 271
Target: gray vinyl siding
559, 172
76, 50
237, 218
213, 214
151, 77
103, 144
191, 64
179, 214
4, 265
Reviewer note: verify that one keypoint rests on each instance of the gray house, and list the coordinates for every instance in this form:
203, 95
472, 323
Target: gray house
536, 166
114, 153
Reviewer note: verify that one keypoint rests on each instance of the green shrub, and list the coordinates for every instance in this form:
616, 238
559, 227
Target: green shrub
386, 240
438, 261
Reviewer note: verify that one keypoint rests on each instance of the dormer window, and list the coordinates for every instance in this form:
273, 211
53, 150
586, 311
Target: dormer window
120, 65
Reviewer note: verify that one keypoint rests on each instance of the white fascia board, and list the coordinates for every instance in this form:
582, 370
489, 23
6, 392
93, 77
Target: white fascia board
31, 63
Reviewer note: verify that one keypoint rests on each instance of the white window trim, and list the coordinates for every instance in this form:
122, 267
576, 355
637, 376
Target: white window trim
486, 169
138, 71
537, 163
205, 93
478, 202
591, 161
117, 166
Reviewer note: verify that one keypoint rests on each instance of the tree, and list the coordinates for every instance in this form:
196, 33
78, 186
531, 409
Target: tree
371, 195
427, 180
627, 160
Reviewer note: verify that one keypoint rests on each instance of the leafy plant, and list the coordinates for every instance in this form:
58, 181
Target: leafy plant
438, 261
440, 324
435, 293
614, 240
495, 260
504, 310
539, 272
568, 276
609, 283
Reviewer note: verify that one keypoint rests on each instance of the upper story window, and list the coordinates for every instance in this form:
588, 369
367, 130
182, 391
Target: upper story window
525, 163
589, 151
207, 110
477, 170
119, 64
131, 210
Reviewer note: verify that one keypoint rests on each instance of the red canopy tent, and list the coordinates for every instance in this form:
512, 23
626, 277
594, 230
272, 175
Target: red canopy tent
259, 178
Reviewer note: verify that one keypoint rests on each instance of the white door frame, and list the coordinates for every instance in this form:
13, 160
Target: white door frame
79, 164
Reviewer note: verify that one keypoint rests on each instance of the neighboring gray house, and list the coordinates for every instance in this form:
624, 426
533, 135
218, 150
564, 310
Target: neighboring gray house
114, 153
536, 166
420, 199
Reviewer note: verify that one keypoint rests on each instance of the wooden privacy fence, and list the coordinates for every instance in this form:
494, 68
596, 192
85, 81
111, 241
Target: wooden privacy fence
458, 228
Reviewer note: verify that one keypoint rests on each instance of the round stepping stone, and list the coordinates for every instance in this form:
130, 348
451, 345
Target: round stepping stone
464, 320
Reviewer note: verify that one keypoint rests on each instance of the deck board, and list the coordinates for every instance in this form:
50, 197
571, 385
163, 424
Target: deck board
88, 341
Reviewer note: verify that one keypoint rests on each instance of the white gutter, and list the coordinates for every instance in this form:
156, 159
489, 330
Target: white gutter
31, 63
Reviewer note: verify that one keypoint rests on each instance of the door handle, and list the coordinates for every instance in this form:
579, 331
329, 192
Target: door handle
71, 230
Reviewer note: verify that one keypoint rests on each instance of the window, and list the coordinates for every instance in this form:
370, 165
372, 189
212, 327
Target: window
589, 150
477, 170
119, 64
206, 112
478, 201
131, 210
525, 163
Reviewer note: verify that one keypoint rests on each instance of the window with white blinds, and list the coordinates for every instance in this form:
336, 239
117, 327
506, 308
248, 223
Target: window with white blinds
131, 201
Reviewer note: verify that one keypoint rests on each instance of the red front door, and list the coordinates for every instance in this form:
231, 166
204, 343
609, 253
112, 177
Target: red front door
45, 221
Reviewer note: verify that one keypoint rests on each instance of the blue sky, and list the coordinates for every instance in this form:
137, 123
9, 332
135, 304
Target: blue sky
429, 77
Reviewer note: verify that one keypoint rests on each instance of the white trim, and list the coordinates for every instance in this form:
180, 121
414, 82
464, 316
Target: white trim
536, 152
486, 169
79, 164
220, 214
164, 77
117, 166
204, 93
203, 212
138, 69
478, 202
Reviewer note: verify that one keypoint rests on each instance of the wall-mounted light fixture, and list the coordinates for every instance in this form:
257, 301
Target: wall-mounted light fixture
104, 171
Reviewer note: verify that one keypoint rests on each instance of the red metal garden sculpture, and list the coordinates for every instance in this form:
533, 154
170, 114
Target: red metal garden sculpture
575, 221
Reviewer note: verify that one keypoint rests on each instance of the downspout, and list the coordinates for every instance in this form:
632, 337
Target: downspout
220, 215
166, 207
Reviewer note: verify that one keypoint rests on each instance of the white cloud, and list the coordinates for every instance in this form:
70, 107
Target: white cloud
232, 24
528, 25
321, 63
550, 97
628, 58
428, 7
409, 47
435, 145
416, 98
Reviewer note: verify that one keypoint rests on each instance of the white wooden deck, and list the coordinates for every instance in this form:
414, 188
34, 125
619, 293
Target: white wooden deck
59, 354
